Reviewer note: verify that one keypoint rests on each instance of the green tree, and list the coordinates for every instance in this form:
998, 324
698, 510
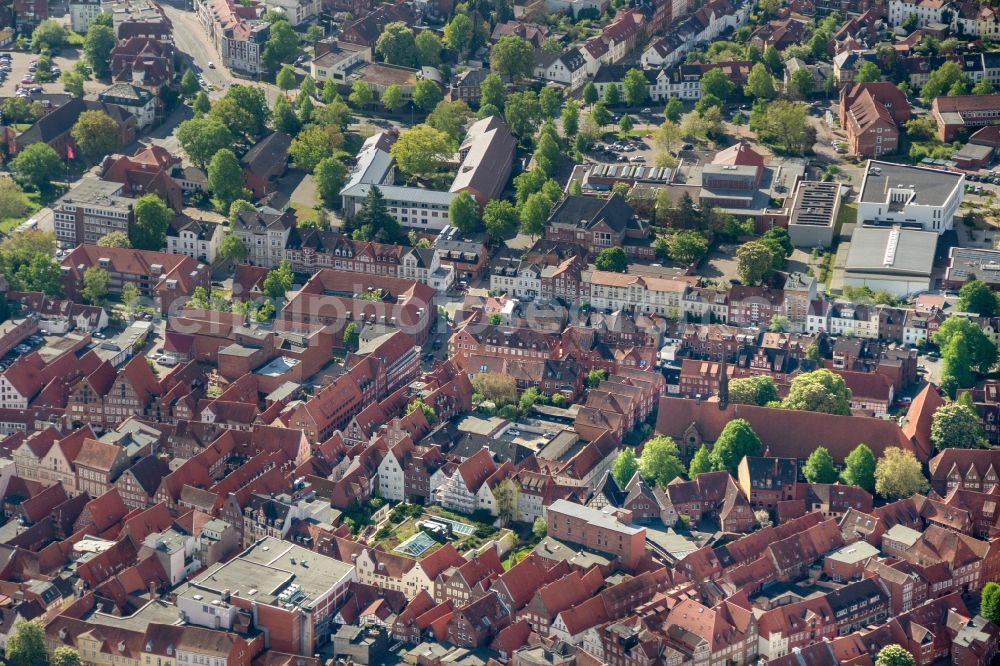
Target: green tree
660, 462
688, 246
97, 47
492, 90
201, 138
37, 166
550, 101
895, 655
958, 426
760, 83
819, 467
941, 81
772, 59
499, 218
374, 214
95, 285
463, 212
26, 643
282, 43
351, 336
48, 35
736, 441
114, 239
201, 105
428, 411
451, 118
397, 46
898, 474
990, 601
225, 178
72, 83
232, 248
984, 87
715, 82
701, 462
625, 126
522, 112
513, 57
636, 87
533, 214
458, 34
673, 110
314, 144
612, 95
976, 296
589, 93
329, 176
426, 94
599, 114
240, 206
783, 122
571, 118
625, 467
819, 391
547, 153
758, 390
982, 352
612, 259
152, 217
284, 118
130, 296
803, 83
754, 262
859, 468
97, 134
330, 91
285, 79
392, 98
189, 83
867, 73
428, 49
361, 95
279, 280
421, 151
539, 528
40, 273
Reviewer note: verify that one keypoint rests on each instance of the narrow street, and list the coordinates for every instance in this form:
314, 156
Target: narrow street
194, 42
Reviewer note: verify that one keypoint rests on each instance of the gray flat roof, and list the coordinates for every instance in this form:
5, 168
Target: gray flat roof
967, 262
891, 251
931, 187
264, 571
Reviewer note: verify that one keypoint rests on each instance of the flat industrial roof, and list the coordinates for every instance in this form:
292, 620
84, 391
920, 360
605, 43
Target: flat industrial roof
930, 187
891, 251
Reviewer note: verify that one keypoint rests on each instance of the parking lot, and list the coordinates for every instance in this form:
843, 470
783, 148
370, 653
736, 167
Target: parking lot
29, 345
19, 66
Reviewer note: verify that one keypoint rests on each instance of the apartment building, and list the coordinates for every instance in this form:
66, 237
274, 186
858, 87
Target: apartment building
619, 291
91, 210
597, 530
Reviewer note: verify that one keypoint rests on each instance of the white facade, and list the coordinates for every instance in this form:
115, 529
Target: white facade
10, 397
188, 242
81, 13
927, 12
614, 291
391, 481
901, 194
297, 11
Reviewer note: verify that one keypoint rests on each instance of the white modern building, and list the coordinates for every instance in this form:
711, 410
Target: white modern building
911, 196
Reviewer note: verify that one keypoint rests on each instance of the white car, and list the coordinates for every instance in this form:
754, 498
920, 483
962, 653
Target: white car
211, 65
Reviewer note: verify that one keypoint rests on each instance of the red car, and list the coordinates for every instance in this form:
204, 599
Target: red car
27, 79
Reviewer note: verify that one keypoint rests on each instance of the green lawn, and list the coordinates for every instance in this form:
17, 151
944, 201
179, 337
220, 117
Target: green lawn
848, 214
8, 224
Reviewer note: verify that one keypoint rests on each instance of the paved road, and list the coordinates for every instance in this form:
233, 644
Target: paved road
192, 40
